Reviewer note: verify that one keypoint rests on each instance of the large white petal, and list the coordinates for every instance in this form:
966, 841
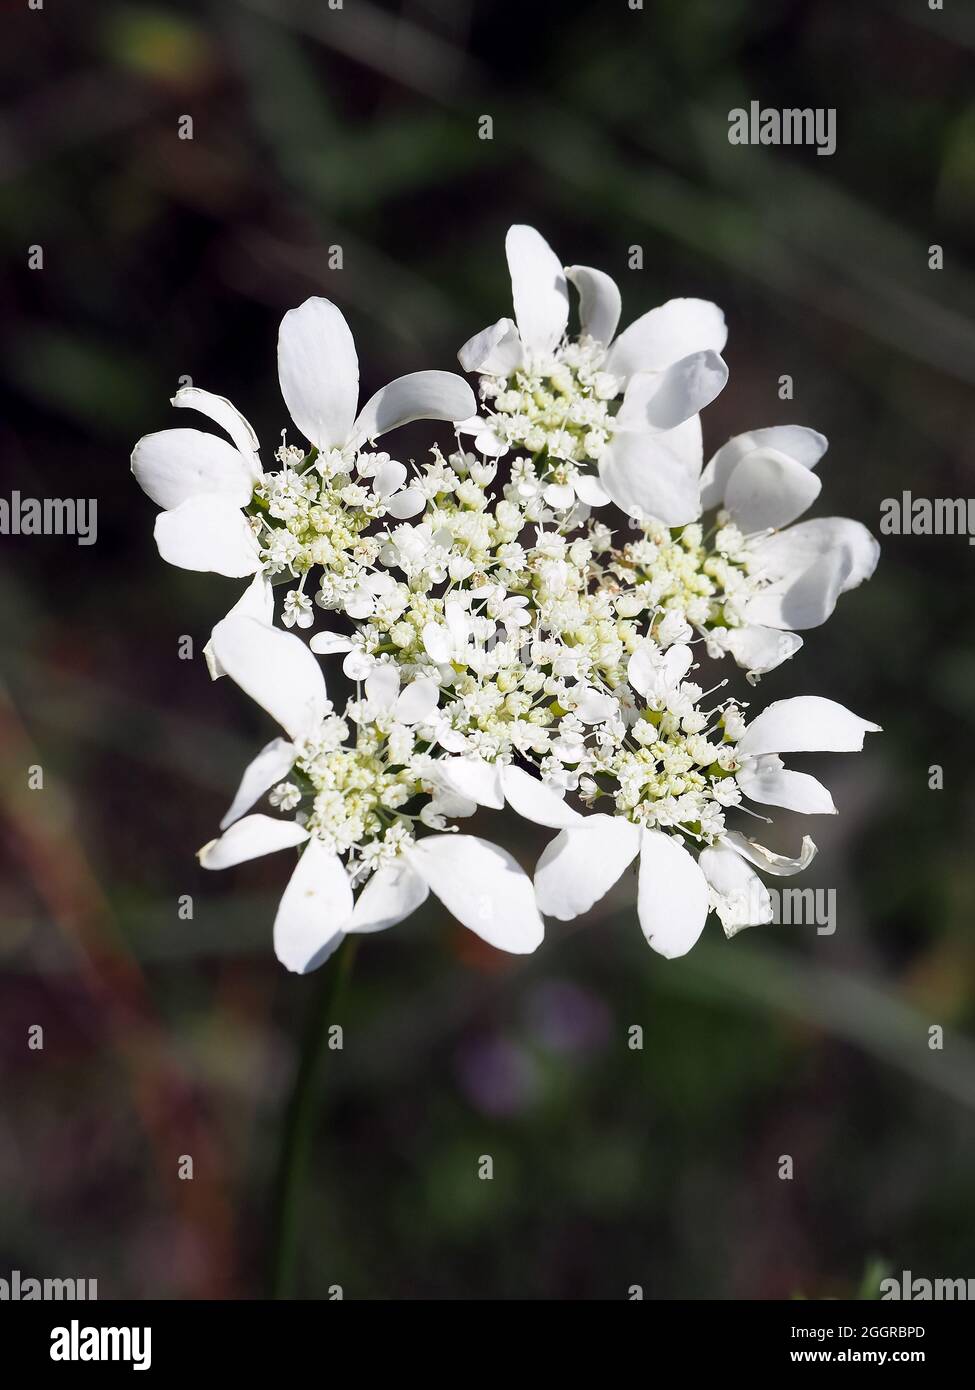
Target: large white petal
319, 372
685, 441
804, 445
496, 351
594, 708
418, 701
391, 894
781, 865
652, 674
677, 661
538, 289
641, 671
388, 478
759, 649
314, 910
673, 894
453, 742
438, 642
560, 496
535, 801
581, 865
208, 533
664, 400
484, 888
449, 804
272, 764
768, 490
409, 502
766, 780
790, 552
471, 777
646, 477
460, 625
742, 900
223, 413
274, 668
665, 335
805, 724
257, 601
382, 686
176, 464
640, 391
357, 664
600, 302
807, 599
591, 491
485, 439
419, 396
249, 839
330, 643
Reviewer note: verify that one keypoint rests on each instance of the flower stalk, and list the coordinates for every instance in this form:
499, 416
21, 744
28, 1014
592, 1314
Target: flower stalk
299, 1120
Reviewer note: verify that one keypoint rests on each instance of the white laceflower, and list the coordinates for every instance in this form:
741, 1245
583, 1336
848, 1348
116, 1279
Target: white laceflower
357, 809
614, 418
508, 648
676, 890
223, 513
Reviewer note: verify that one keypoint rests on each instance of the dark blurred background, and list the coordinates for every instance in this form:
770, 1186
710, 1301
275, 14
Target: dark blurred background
166, 1037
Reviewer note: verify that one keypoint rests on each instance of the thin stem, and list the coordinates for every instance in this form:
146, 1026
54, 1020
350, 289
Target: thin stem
299, 1118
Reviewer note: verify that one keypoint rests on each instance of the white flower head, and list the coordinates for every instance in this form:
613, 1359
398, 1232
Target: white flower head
676, 890
505, 647
556, 394
480, 883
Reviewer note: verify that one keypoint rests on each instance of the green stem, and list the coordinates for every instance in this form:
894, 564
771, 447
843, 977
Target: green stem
299, 1118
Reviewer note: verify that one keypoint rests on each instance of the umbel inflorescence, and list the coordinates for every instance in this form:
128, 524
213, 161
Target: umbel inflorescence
522, 616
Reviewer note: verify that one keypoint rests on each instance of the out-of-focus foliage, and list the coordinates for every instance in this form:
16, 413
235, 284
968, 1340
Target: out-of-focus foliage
358, 127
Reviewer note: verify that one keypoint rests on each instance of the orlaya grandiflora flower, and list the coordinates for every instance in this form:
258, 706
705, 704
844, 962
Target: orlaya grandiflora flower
761, 482
478, 882
676, 890
479, 654
666, 366
204, 483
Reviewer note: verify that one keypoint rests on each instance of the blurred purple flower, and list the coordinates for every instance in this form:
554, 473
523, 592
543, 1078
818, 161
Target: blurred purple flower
566, 1018
498, 1076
